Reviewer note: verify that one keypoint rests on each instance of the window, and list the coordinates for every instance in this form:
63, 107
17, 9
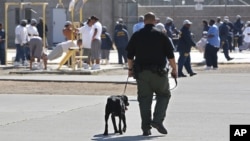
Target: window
17, 15
27, 14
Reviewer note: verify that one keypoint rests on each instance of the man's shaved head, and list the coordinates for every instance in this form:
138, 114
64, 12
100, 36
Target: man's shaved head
149, 18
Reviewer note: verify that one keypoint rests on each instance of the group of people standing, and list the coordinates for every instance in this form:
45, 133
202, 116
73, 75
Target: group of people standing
226, 35
29, 44
91, 42
96, 42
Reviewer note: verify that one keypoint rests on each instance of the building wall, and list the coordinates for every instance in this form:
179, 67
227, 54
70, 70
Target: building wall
180, 13
2, 10
110, 10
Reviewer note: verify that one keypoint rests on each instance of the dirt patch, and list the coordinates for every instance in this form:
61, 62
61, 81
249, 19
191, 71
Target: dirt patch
62, 88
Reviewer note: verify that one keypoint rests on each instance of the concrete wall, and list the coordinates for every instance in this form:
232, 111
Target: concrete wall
180, 13
2, 11
110, 10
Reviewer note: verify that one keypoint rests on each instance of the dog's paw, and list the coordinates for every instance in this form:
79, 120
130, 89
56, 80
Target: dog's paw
120, 132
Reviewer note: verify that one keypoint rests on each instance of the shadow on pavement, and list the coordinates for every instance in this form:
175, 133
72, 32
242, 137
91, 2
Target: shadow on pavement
116, 137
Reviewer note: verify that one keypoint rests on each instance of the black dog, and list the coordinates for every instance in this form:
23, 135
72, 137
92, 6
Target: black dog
116, 106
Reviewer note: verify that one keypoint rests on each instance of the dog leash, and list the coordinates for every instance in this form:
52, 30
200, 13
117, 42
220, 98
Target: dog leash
175, 79
176, 83
125, 86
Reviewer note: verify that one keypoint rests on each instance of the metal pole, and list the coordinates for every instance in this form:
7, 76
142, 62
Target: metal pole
44, 21
80, 19
21, 10
7, 4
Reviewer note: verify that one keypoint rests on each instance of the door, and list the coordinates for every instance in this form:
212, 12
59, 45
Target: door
59, 19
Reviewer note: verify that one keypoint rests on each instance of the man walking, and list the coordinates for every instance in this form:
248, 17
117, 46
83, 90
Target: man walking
147, 52
224, 31
212, 46
184, 48
121, 41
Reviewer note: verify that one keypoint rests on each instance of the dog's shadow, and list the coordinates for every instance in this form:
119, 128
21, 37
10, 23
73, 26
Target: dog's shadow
117, 137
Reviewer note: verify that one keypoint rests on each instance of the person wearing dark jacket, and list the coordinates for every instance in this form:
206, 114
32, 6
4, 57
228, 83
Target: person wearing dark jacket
121, 40
205, 25
40, 30
120, 21
148, 50
106, 45
171, 31
224, 31
238, 30
2, 45
184, 48
230, 26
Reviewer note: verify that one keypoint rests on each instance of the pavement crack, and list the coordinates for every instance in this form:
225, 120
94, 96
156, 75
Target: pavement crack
49, 115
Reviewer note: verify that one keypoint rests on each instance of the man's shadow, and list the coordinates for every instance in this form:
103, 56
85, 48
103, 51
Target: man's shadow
117, 137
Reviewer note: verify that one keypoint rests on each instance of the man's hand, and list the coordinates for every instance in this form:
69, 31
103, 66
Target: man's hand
174, 73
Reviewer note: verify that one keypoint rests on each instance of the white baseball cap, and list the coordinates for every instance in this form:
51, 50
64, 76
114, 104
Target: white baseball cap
33, 21
168, 20
226, 17
186, 22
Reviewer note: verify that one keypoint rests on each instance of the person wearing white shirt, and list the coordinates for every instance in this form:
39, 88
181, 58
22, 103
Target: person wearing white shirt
32, 29
246, 37
96, 43
87, 33
21, 38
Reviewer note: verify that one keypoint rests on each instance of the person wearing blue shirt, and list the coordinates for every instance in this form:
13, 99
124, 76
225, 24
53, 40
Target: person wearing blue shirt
121, 40
184, 48
139, 25
106, 45
213, 45
2, 45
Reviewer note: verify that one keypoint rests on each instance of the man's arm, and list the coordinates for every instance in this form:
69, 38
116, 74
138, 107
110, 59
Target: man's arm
95, 32
130, 67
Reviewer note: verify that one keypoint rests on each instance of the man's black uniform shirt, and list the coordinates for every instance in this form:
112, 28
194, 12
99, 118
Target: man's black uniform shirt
150, 47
